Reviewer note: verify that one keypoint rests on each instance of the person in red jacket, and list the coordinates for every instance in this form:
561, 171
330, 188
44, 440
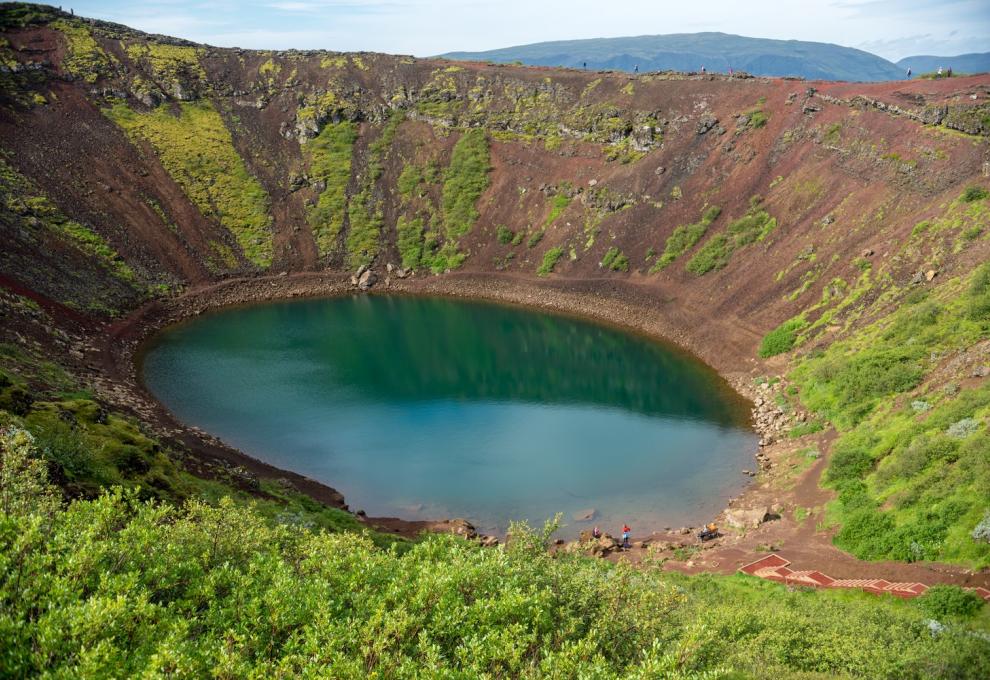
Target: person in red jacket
626, 531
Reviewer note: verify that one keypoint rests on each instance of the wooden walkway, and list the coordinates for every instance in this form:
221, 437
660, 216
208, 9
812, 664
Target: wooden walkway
775, 568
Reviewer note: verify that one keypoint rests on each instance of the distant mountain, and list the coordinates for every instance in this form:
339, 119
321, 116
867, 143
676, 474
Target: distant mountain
717, 52
977, 62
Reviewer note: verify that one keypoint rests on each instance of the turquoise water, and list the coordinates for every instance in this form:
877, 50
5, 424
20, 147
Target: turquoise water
430, 408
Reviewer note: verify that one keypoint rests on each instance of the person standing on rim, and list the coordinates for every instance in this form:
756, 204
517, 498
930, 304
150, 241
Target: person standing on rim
626, 532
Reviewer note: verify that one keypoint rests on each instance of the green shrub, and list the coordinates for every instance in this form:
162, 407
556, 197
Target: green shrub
504, 234
535, 238
712, 255
758, 119
849, 461
684, 237
754, 226
876, 373
550, 259
203, 590
782, 338
974, 193
867, 533
948, 601
614, 260
978, 296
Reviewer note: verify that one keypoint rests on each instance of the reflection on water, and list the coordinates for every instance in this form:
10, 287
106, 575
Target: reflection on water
428, 408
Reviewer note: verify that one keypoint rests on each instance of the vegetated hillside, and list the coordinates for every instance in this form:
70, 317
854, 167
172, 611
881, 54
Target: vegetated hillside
688, 52
974, 62
835, 237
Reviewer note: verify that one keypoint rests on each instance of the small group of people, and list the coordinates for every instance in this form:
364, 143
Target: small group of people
940, 74
626, 533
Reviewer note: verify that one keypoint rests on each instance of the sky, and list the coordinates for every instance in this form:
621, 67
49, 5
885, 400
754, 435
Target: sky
890, 28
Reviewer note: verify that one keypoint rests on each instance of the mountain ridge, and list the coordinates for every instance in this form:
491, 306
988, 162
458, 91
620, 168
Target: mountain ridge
972, 62
719, 52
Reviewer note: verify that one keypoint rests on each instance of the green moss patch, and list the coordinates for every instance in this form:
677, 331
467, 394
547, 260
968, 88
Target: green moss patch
197, 150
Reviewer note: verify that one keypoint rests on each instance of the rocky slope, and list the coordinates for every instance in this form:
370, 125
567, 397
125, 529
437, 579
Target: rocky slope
738, 217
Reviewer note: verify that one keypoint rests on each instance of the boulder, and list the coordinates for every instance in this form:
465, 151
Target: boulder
746, 519
459, 527
604, 545
706, 123
367, 280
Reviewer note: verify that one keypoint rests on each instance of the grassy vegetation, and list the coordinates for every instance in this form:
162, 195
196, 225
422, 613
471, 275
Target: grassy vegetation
84, 58
464, 180
364, 210
330, 155
782, 338
365, 223
171, 66
23, 198
684, 237
409, 180
410, 241
91, 448
615, 260
504, 235
557, 206
197, 150
117, 586
550, 259
752, 227
756, 117
974, 193
910, 465
535, 238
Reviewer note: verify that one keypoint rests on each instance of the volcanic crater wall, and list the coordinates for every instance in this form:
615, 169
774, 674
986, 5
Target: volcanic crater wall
833, 232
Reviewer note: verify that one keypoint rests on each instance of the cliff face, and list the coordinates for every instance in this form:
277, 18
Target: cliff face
134, 166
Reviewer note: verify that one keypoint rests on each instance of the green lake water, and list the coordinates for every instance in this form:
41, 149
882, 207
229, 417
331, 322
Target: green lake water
429, 408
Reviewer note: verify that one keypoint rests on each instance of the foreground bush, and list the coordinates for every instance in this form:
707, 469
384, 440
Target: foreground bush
120, 587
